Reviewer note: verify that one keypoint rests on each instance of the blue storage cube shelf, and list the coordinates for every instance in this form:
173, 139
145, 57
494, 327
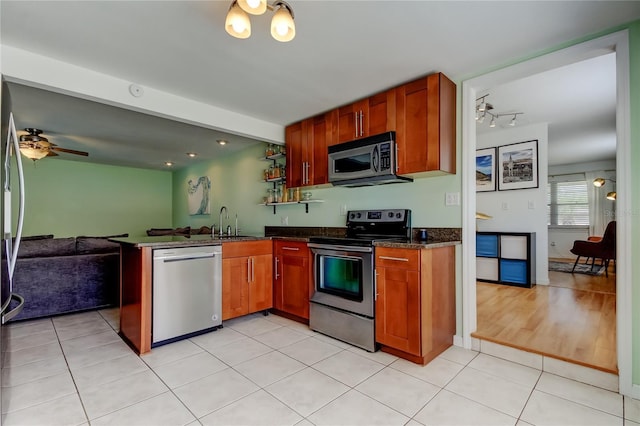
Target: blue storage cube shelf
487, 245
514, 271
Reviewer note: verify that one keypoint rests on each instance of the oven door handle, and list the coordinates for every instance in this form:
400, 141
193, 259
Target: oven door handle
358, 249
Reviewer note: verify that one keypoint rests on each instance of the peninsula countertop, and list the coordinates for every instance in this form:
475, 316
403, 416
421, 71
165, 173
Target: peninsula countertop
169, 241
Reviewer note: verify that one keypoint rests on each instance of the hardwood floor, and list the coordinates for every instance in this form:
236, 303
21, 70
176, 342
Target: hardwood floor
573, 319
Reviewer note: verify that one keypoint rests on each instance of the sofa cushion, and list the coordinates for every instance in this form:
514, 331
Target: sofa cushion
89, 245
47, 247
37, 237
201, 230
154, 232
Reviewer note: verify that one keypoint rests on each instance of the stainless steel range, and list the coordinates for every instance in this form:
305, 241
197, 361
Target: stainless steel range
343, 303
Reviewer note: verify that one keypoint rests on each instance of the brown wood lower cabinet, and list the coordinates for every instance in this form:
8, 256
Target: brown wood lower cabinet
247, 278
292, 278
415, 301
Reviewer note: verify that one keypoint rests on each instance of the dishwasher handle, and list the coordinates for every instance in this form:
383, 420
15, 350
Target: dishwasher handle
183, 257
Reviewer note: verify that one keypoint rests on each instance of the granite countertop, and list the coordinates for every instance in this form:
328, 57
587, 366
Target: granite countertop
168, 241
416, 244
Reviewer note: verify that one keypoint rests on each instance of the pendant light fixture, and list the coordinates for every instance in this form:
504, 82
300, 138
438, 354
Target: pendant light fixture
238, 25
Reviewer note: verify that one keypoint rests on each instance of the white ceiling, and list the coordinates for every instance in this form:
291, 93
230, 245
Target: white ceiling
343, 50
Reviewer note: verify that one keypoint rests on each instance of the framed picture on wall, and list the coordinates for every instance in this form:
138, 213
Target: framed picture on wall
518, 166
485, 170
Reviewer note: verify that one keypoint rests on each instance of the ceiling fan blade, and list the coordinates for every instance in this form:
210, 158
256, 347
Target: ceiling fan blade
51, 154
69, 151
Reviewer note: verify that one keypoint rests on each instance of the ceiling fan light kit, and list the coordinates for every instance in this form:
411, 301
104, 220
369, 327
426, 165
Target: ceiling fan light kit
35, 147
238, 25
484, 108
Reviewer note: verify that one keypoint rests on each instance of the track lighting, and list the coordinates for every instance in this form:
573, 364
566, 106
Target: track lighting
493, 121
238, 25
483, 108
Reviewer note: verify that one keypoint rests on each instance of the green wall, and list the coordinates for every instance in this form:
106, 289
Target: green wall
634, 73
236, 182
70, 198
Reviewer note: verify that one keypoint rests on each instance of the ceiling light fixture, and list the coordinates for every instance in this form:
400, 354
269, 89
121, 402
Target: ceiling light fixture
192, 154
238, 25
168, 163
221, 142
485, 108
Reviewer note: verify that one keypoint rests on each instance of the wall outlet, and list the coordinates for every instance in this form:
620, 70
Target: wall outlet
343, 210
284, 220
452, 199
553, 244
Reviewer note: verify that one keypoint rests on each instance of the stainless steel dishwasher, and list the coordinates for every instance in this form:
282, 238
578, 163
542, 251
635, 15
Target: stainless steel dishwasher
187, 292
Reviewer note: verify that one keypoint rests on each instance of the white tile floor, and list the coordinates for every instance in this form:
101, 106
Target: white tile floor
75, 370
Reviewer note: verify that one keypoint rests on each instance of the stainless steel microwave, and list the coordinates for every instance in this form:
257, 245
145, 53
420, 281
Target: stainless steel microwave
364, 162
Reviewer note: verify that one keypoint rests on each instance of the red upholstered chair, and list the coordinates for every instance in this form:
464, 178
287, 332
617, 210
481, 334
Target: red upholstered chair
604, 249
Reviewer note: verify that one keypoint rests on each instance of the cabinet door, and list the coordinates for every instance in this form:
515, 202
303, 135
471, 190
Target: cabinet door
235, 290
295, 151
398, 309
260, 283
348, 118
319, 137
425, 125
381, 113
295, 287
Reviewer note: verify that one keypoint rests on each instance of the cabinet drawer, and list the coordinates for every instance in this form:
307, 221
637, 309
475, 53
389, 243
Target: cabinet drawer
398, 258
487, 268
291, 248
246, 248
486, 245
513, 271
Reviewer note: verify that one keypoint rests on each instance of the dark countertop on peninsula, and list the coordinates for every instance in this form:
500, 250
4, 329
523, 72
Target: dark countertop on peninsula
438, 237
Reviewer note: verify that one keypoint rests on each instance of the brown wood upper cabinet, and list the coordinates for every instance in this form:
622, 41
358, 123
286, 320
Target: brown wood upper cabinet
371, 116
421, 112
306, 143
426, 125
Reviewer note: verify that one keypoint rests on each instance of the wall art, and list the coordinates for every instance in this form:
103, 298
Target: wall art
518, 166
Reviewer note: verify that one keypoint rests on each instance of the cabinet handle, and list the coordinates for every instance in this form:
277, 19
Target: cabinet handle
397, 259
302, 173
291, 248
375, 285
249, 270
361, 126
355, 123
253, 269
277, 275
397, 157
308, 165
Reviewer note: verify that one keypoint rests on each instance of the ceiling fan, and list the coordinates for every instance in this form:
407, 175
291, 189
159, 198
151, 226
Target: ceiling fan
35, 147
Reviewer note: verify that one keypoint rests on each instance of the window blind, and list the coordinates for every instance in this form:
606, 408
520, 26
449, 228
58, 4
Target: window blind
567, 203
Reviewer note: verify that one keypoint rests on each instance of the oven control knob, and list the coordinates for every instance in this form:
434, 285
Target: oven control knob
398, 215
352, 215
390, 214
358, 215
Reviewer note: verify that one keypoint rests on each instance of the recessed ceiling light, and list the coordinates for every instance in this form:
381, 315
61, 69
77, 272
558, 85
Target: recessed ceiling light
168, 163
192, 154
222, 142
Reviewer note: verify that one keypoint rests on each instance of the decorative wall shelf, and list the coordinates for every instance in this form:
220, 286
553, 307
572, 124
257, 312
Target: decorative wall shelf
305, 202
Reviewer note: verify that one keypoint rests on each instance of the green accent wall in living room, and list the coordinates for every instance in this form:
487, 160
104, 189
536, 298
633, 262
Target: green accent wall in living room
70, 198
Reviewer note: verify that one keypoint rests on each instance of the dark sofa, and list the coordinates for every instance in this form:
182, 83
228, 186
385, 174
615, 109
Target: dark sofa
62, 275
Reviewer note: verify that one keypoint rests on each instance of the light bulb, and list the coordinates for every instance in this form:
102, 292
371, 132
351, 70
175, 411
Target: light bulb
513, 121
482, 106
282, 26
254, 7
237, 23
493, 122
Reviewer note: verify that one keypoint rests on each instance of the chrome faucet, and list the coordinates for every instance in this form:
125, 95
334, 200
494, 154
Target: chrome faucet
223, 208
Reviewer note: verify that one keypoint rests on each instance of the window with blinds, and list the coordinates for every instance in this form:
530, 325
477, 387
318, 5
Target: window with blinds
567, 203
